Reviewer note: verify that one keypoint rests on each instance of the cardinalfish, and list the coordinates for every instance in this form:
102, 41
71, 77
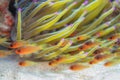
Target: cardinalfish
113, 37
94, 61
73, 34
109, 63
53, 63
98, 58
83, 37
78, 67
73, 52
112, 62
60, 59
27, 63
17, 44
100, 50
103, 57
88, 45
57, 61
28, 49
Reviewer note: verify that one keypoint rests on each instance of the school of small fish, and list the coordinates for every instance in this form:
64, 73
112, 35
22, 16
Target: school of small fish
76, 32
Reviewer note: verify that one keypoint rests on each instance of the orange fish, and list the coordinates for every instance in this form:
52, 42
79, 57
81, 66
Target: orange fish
98, 58
88, 45
27, 63
57, 61
91, 44
60, 59
82, 37
103, 57
17, 44
73, 52
78, 67
83, 47
100, 50
27, 50
113, 37
23, 64
93, 62
108, 64
53, 63
73, 34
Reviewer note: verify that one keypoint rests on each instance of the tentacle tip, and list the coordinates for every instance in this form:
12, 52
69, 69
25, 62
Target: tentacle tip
71, 25
75, 2
63, 39
114, 8
86, 2
86, 53
51, 3
114, 27
56, 13
85, 12
71, 42
66, 25
117, 1
108, 23
98, 46
19, 9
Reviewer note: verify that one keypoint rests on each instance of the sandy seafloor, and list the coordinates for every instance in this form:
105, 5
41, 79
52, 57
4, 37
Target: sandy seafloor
9, 70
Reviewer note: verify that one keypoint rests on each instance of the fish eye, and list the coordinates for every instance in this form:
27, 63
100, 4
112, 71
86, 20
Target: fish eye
11, 45
19, 50
98, 57
111, 37
78, 38
91, 62
97, 52
81, 47
88, 43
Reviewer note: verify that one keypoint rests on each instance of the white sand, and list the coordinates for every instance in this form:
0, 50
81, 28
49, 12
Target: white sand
9, 70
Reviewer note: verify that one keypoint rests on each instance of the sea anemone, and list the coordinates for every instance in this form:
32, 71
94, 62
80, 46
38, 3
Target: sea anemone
77, 32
